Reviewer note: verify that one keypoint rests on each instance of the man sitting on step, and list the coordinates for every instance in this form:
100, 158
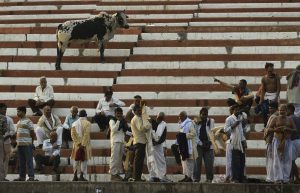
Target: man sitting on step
46, 124
52, 154
70, 119
43, 96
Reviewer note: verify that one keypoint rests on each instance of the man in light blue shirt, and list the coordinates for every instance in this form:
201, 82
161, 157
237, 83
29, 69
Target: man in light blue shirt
70, 119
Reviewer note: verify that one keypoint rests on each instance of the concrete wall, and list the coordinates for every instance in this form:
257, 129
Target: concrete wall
109, 187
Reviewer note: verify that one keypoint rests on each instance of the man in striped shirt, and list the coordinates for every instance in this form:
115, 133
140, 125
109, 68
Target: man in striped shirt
25, 136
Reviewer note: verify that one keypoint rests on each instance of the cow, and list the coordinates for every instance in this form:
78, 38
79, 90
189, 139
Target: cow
100, 28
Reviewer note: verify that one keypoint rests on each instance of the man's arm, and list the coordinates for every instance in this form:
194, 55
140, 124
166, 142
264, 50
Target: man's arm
278, 86
99, 107
51, 93
263, 90
229, 86
119, 103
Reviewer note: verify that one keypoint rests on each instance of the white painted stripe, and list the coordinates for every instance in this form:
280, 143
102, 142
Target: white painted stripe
160, 16
178, 50
256, 23
65, 66
57, 81
188, 79
46, 16
175, 65
247, 5
147, 7
190, 95
249, 15
12, 37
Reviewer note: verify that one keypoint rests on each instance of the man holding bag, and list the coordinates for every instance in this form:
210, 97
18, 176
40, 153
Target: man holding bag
81, 151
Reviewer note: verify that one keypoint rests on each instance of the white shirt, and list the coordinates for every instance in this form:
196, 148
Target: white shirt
116, 135
103, 106
227, 128
44, 95
10, 129
48, 148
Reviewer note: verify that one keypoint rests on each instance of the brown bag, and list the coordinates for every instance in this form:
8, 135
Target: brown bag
80, 154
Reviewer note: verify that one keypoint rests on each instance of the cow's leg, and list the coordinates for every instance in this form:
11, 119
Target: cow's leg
101, 49
60, 52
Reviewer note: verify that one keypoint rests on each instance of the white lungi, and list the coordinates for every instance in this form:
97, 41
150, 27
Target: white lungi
116, 162
159, 169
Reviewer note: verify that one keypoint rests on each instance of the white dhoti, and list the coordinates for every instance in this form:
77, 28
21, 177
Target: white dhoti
158, 168
41, 135
271, 96
296, 148
297, 109
80, 166
188, 167
228, 160
116, 162
282, 162
269, 163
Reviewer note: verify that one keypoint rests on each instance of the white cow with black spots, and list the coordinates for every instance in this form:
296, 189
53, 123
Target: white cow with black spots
101, 28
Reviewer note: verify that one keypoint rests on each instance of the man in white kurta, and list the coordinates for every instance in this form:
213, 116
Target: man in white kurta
46, 124
118, 127
158, 169
186, 126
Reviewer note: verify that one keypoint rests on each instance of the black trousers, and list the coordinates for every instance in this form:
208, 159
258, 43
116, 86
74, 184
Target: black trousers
238, 165
34, 108
41, 160
140, 151
102, 121
175, 151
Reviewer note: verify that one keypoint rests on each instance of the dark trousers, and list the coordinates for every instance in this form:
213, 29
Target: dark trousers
245, 106
34, 108
25, 160
66, 136
238, 165
140, 151
208, 157
102, 121
175, 151
45, 160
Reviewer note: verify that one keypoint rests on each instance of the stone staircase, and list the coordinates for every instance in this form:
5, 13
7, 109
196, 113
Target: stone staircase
169, 56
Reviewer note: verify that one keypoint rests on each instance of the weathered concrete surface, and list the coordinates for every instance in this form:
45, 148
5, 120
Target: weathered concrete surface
125, 187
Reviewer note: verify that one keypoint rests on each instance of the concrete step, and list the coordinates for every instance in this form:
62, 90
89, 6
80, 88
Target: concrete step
238, 36
46, 67
206, 65
215, 57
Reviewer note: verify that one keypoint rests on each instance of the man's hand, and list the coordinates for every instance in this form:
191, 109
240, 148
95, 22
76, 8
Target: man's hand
235, 124
38, 102
216, 80
113, 105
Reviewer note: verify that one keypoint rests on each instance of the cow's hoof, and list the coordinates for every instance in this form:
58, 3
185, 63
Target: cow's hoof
102, 61
57, 68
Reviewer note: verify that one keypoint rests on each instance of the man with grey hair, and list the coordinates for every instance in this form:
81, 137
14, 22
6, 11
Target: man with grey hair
186, 139
293, 89
70, 119
158, 170
44, 95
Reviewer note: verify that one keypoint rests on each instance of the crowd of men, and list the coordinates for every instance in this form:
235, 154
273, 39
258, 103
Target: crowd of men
135, 136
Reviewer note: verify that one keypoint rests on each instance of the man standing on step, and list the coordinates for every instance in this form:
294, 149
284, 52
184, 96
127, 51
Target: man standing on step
81, 151
270, 91
293, 89
295, 137
118, 127
186, 139
44, 95
283, 127
25, 137
139, 127
7, 137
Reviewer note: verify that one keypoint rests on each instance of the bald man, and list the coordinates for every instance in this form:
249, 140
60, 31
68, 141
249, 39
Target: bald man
44, 95
70, 119
46, 124
282, 127
52, 154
